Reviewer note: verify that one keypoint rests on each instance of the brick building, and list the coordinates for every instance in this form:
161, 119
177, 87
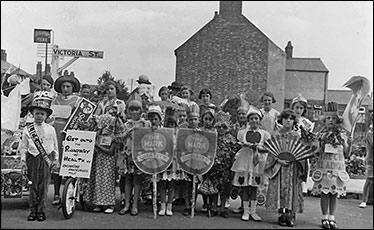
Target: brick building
232, 56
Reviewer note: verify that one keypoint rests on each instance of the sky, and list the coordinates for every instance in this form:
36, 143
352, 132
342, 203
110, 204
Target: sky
139, 37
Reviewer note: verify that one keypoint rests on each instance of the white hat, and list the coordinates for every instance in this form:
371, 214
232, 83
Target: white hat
155, 109
253, 110
299, 98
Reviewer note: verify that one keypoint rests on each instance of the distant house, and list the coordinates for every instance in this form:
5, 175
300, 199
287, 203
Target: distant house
342, 97
232, 56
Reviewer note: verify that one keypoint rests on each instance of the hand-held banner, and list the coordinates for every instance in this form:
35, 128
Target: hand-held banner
82, 113
152, 150
196, 150
360, 87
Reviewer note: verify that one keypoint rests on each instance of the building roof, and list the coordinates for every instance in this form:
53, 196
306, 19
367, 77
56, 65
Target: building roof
305, 64
6, 65
343, 97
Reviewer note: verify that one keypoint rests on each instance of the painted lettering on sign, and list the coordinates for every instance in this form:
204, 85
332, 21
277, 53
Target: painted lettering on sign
78, 53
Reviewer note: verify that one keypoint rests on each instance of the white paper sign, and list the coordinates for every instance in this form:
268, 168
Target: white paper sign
330, 149
61, 111
77, 153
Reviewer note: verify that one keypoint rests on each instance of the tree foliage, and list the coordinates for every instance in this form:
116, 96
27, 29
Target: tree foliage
99, 93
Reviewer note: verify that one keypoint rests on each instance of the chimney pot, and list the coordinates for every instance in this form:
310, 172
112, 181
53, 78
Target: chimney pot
289, 50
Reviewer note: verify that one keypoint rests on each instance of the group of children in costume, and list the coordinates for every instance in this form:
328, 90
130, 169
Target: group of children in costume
242, 161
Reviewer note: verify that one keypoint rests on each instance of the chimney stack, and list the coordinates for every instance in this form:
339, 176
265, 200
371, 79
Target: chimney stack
288, 50
230, 8
39, 70
48, 69
3, 55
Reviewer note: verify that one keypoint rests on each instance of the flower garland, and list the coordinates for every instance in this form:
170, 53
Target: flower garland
331, 136
307, 137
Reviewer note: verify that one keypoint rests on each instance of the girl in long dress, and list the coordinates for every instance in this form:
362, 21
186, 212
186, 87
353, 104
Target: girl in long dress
285, 192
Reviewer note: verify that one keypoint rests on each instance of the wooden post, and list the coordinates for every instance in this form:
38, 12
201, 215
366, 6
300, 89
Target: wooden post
154, 201
193, 196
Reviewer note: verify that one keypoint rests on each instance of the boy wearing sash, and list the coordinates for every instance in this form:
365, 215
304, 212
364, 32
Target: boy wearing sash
39, 153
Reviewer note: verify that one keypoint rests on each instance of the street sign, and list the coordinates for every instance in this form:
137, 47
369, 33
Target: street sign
42, 36
78, 53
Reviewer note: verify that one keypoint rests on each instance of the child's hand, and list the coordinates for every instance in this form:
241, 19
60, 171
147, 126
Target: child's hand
154, 127
283, 162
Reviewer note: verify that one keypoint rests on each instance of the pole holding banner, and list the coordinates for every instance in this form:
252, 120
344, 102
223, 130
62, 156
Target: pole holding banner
154, 200
43, 36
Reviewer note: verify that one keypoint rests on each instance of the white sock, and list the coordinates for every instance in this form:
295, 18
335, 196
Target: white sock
331, 217
325, 217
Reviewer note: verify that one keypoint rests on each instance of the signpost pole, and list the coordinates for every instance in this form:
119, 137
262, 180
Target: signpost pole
45, 67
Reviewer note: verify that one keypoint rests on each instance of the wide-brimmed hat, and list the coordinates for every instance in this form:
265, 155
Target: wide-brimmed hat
175, 85
42, 100
143, 79
67, 78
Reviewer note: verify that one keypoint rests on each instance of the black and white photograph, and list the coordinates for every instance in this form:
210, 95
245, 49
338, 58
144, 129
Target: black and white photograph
187, 114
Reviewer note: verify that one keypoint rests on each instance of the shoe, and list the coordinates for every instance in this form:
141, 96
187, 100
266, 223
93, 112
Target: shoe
224, 214
56, 200
31, 217
134, 212
290, 223
186, 212
290, 218
97, 209
255, 217
122, 203
169, 211
209, 213
227, 203
245, 216
325, 224
333, 224
362, 205
204, 208
109, 210
162, 212
41, 216
282, 221
124, 211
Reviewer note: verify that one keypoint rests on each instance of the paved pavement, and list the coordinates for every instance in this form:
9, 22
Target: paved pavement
14, 213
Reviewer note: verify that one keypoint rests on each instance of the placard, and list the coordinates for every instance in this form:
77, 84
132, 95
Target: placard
152, 150
77, 154
196, 150
83, 112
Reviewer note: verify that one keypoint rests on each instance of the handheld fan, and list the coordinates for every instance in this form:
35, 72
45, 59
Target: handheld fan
289, 148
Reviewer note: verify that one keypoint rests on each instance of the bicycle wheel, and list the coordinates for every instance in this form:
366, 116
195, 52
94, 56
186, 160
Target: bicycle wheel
69, 198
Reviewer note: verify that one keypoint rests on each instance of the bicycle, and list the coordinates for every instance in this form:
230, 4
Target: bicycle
72, 193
